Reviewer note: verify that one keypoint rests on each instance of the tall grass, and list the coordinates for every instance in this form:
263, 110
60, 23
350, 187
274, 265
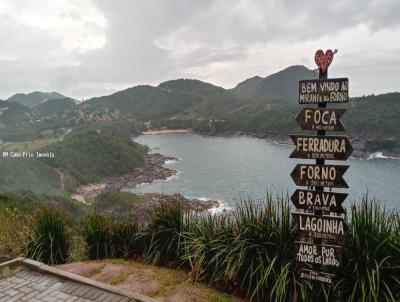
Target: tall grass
49, 237
248, 251
95, 233
371, 266
164, 233
14, 233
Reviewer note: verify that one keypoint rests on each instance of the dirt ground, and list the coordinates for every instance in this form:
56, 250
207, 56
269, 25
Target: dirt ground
162, 283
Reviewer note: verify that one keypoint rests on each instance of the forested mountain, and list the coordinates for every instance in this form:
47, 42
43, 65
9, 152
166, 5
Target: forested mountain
282, 85
55, 106
261, 106
34, 98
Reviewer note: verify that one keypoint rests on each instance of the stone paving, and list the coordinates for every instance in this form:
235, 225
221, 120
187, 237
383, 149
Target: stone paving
33, 286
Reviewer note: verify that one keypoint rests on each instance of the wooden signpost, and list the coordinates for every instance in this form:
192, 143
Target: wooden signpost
319, 175
324, 91
319, 201
319, 226
321, 147
321, 119
319, 219
320, 254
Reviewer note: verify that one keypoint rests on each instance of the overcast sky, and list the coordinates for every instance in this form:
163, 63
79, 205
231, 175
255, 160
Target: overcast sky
85, 48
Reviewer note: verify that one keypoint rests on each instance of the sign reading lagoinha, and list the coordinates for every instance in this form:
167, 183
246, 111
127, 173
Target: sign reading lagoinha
324, 91
317, 226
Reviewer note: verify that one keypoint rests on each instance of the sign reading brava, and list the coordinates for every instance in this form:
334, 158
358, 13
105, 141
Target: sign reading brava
318, 201
324, 91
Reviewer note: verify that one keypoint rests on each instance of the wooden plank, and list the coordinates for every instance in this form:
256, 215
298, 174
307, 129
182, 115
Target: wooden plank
321, 119
319, 175
324, 91
319, 226
317, 276
321, 147
318, 254
319, 201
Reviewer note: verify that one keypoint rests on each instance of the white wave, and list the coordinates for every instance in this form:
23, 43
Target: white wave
379, 155
222, 206
170, 161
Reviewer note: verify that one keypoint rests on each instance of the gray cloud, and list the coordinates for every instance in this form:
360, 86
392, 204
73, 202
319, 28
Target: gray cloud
148, 41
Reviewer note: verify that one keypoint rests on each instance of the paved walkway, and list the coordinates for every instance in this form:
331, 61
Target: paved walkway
34, 282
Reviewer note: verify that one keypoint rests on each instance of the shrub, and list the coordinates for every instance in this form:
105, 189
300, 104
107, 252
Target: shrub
164, 234
249, 249
371, 263
49, 238
95, 233
126, 238
13, 234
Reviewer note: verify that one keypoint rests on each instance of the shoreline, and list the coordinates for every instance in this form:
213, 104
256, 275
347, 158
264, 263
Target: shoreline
154, 168
360, 151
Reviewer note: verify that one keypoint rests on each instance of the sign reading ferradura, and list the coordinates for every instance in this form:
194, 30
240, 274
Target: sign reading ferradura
321, 119
317, 276
324, 91
319, 226
321, 147
319, 201
320, 254
319, 175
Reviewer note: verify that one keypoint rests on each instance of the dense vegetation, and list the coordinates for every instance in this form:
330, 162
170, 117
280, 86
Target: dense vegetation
91, 155
247, 251
85, 155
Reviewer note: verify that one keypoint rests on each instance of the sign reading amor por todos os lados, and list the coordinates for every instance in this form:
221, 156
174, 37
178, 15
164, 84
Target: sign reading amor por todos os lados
314, 223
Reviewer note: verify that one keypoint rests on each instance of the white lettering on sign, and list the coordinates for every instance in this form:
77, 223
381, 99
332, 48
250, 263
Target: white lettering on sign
318, 173
321, 225
324, 118
317, 254
320, 144
312, 199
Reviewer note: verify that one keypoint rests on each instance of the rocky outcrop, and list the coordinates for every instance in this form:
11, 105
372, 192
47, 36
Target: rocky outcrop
154, 168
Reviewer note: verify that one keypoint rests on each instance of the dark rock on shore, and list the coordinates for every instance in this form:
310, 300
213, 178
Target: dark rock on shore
149, 202
153, 169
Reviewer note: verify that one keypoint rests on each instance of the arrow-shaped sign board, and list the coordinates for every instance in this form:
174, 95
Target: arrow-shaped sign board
319, 254
319, 201
321, 147
319, 226
317, 276
319, 175
321, 119
324, 91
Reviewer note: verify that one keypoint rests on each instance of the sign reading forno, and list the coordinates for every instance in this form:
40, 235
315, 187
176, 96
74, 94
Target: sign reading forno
324, 91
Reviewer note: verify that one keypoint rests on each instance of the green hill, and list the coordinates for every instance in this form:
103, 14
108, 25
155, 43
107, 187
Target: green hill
90, 155
55, 106
34, 98
83, 156
282, 85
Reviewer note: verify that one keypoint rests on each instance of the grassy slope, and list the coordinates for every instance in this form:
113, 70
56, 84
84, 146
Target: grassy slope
83, 156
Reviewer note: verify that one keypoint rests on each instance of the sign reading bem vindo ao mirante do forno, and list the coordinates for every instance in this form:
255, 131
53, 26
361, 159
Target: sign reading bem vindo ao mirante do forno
318, 220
